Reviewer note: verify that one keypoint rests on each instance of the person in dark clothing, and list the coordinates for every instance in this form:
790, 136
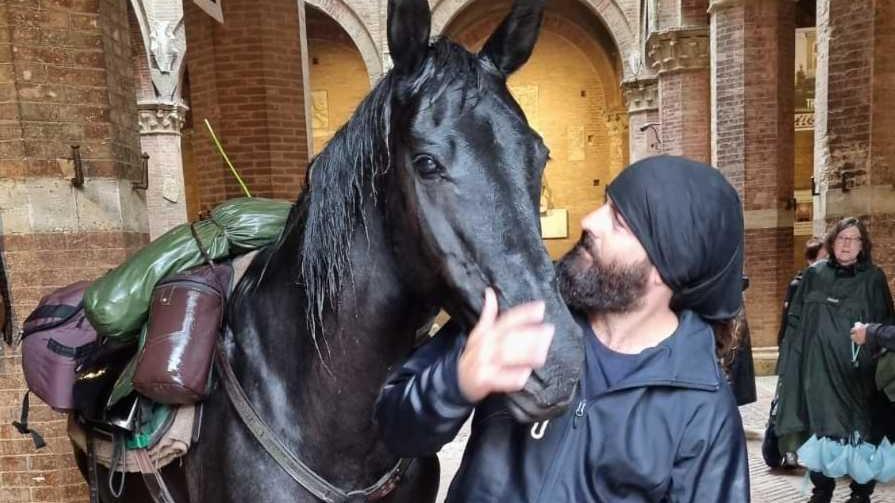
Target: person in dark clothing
827, 386
654, 418
774, 456
815, 251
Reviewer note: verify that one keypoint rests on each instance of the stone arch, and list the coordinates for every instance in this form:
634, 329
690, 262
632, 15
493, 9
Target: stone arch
139, 56
609, 12
356, 29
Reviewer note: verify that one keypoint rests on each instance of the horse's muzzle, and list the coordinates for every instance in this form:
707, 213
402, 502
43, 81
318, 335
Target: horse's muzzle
551, 388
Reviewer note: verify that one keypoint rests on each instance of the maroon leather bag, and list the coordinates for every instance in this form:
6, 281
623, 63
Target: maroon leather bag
185, 320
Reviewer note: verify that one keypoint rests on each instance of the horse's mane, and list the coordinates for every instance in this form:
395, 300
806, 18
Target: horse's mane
345, 173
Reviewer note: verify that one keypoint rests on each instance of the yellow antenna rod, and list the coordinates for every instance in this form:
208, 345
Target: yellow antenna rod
227, 159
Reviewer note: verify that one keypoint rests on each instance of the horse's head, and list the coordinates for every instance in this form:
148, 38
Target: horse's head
467, 183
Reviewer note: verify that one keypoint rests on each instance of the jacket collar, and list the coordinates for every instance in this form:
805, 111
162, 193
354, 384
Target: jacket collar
685, 359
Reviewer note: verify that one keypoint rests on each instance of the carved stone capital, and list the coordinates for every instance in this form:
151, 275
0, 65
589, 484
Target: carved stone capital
161, 118
678, 50
641, 95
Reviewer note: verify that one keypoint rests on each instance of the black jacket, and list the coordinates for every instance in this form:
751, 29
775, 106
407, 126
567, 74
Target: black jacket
880, 336
668, 432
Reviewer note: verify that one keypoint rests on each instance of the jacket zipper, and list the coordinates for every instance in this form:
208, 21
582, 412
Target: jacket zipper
558, 458
579, 412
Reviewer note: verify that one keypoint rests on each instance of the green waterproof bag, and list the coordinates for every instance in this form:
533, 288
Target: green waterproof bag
117, 304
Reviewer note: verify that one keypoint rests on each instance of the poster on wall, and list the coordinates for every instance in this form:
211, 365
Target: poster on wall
212, 8
806, 68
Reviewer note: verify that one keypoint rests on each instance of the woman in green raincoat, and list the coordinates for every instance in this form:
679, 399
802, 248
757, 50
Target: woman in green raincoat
827, 384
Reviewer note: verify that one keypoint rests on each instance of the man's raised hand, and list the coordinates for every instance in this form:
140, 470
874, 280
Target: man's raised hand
503, 350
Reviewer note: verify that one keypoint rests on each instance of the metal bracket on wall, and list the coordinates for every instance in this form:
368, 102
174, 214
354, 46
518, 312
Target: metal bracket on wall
847, 176
654, 127
144, 183
78, 180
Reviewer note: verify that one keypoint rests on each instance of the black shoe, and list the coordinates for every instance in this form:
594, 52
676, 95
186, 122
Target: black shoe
821, 497
858, 498
790, 461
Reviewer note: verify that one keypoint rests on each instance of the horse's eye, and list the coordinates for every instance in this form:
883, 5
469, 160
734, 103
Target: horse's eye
426, 166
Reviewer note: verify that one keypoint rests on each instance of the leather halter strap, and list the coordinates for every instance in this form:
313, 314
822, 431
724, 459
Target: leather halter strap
289, 462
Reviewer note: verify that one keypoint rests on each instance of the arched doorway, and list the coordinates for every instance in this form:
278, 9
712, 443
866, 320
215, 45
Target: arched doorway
570, 92
338, 76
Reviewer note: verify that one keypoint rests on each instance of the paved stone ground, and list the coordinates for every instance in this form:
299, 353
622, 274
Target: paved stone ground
768, 486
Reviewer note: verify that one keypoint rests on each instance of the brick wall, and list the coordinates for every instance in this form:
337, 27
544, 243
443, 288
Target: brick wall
68, 80
856, 73
245, 77
694, 12
883, 120
753, 54
684, 114
849, 58
769, 271
728, 124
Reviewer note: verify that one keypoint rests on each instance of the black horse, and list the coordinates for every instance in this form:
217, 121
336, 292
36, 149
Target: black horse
428, 195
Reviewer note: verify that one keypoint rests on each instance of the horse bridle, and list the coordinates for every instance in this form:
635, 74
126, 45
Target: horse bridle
289, 462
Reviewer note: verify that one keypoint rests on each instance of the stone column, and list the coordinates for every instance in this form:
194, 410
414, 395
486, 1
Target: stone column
680, 58
160, 126
160, 65
752, 53
854, 149
642, 100
66, 78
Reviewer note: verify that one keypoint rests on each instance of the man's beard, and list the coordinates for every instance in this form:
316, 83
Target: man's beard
596, 287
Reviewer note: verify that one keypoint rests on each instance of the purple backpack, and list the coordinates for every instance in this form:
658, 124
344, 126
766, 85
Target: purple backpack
56, 337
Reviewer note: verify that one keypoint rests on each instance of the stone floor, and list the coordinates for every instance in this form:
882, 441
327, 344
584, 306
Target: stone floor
768, 486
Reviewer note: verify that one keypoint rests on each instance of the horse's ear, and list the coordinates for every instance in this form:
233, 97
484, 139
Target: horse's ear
409, 22
511, 44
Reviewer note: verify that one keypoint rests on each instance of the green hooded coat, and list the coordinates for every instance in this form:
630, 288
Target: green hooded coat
822, 390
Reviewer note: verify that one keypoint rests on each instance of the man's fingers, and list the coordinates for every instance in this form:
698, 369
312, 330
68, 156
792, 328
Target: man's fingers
489, 309
527, 346
524, 314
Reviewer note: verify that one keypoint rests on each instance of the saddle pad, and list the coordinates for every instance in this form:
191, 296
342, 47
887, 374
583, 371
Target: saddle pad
173, 444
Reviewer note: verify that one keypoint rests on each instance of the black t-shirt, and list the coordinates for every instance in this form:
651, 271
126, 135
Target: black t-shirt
605, 367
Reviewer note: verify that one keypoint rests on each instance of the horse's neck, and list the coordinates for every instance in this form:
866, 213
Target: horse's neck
324, 406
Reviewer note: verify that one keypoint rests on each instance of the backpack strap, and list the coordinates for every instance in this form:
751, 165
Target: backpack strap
22, 425
92, 478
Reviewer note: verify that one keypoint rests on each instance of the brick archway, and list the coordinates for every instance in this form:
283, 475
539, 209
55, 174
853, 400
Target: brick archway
609, 12
356, 29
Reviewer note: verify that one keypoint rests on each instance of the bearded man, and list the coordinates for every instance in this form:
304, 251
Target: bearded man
654, 418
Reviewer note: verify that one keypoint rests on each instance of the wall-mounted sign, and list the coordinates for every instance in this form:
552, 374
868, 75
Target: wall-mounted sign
212, 8
555, 224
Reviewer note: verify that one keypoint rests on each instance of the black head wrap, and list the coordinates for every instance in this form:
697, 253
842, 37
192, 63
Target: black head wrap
690, 221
